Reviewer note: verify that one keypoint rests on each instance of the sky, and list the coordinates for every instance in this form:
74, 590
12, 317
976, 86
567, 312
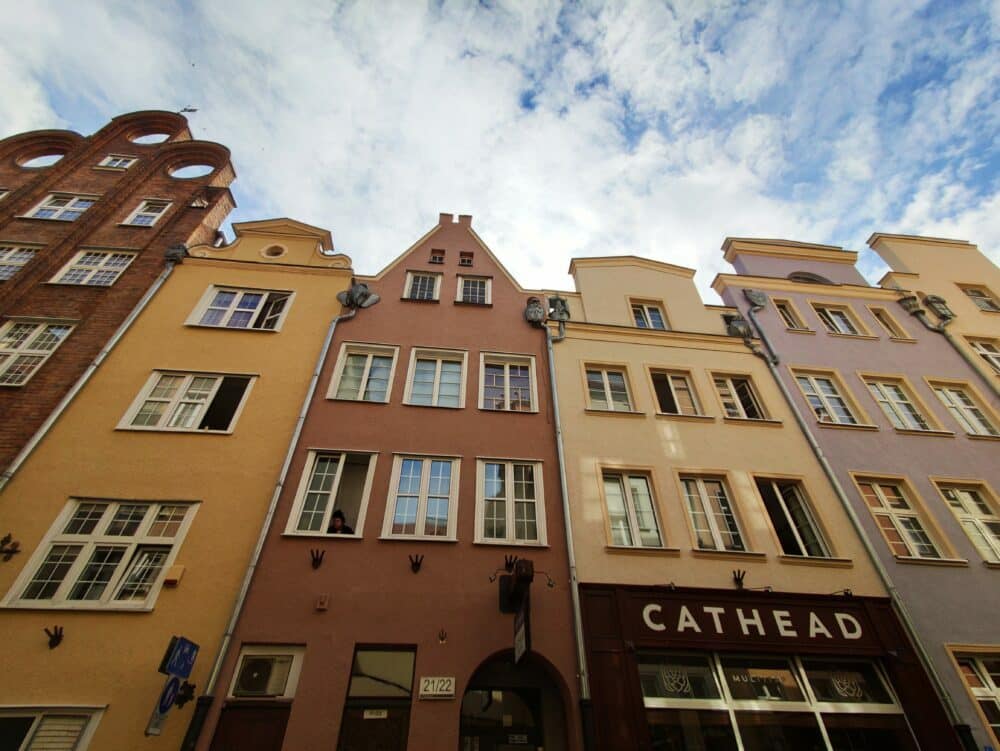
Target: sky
565, 129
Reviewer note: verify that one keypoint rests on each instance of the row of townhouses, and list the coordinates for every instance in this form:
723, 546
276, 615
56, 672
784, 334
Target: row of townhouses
253, 497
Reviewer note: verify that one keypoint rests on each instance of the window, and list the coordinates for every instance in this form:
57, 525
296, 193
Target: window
674, 393
982, 297
648, 316
425, 496
790, 316
897, 519
982, 677
797, 530
977, 516
608, 390
822, 394
148, 213
511, 507
631, 511
25, 345
437, 256
267, 672
988, 350
475, 290
117, 161
712, 515
103, 552
888, 323
897, 404
465, 259
422, 286
967, 411
332, 482
739, 400
838, 320
12, 258
508, 383
231, 308
436, 379
94, 268
381, 680
188, 402
28, 729
63, 206
363, 373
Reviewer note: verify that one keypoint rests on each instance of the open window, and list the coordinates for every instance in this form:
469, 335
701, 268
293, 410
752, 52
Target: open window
188, 402
332, 482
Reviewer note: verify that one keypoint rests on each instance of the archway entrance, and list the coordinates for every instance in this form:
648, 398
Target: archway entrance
508, 707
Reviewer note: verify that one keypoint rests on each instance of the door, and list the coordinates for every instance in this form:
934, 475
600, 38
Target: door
374, 729
501, 719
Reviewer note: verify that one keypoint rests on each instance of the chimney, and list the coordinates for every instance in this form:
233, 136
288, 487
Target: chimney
444, 219
465, 220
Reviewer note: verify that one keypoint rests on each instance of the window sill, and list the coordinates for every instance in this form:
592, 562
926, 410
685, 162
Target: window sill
846, 426
992, 564
320, 536
354, 401
474, 304
636, 550
415, 538
938, 433
509, 411
413, 299
902, 339
980, 437
510, 544
79, 286
46, 219
141, 429
685, 418
752, 421
137, 226
800, 331
947, 562
865, 337
432, 406
105, 168
233, 328
83, 606
805, 560
615, 412
733, 555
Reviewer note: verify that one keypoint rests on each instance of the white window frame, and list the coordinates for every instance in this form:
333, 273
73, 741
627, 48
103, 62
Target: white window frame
291, 528
623, 478
713, 525
641, 308
88, 543
896, 515
41, 714
604, 370
729, 381
989, 350
465, 259
61, 210
825, 399
509, 503
107, 162
967, 410
506, 360
195, 319
296, 653
14, 354
460, 292
369, 351
982, 297
900, 409
689, 382
958, 497
839, 319
92, 270
409, 283
8, 267
807, 513
141, 210
421, 517
439, 355
173, 402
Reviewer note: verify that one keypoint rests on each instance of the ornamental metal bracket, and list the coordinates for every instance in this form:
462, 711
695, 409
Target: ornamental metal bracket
415, 561
55, 636
9, 547
317, 557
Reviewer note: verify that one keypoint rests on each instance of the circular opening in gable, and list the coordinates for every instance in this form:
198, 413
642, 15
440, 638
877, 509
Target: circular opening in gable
43, 160
274, 251
149, 138
190, 171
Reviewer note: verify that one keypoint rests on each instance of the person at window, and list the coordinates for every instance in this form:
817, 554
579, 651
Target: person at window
339, 525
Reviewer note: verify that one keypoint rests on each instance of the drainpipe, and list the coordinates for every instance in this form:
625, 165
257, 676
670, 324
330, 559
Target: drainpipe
174, 255
757, 301
354, 300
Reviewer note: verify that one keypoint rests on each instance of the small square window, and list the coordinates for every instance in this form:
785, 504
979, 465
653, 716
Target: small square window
649, 316
94, 268
465, 259
420, 286
437, 256
117, 161
475, 290
149, 213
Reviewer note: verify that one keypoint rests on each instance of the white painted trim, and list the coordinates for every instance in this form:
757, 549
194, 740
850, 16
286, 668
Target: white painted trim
509, 502
434, 353
126, 422
363, 348
291, 525
508, 359
390, 503
194, 318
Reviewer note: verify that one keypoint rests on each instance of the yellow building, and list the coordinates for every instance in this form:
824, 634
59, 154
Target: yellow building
137, 514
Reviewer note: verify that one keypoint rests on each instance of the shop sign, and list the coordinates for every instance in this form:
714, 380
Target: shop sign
376, 714
437, 687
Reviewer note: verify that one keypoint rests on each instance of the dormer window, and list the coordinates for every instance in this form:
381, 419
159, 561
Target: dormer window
649, 316
465, 259
437, 256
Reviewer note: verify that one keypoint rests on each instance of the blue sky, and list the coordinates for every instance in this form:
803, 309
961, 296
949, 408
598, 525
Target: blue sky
566, 130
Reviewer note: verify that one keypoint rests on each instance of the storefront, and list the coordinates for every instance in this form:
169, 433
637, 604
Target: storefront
676, 669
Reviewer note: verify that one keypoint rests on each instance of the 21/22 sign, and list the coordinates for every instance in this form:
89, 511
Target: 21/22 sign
437, 687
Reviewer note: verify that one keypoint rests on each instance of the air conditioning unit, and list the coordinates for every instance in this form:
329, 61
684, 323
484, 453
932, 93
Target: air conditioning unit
262, 675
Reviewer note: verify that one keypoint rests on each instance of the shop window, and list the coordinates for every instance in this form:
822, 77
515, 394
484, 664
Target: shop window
674, 393
792, 519
631, 511
739, 398
188, 402
363, 373
332, 482
711, 514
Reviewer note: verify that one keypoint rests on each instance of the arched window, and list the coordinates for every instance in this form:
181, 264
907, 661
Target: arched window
808, 278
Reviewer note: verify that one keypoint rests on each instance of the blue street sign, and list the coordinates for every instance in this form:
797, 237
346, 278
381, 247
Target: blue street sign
181, 661
169, 694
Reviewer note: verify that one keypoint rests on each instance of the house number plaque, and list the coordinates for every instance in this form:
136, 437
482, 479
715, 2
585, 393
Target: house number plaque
437, 687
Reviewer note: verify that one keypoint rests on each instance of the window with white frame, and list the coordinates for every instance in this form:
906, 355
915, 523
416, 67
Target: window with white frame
148, 213
739, 398
475, 290
674, 393
13, 258
507, 383
117, 161
649, 316
105, 553
887, 322
188, 402
792, 519
989, 350
711, 513
982, 297
437, 256
982, 677
25, 346
44, 729
424, 498
266, 671
977, 515
436, 378
608, 389
965, 409
331, 482
94, 268
789, 315
631, 510
838, 320
422, 286
897, 404
825, 399
511, 507
897, 519
62, 206
363, 373
233, 308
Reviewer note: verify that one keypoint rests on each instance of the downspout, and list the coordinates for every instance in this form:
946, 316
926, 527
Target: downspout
174, 255
204, 702
756, 301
